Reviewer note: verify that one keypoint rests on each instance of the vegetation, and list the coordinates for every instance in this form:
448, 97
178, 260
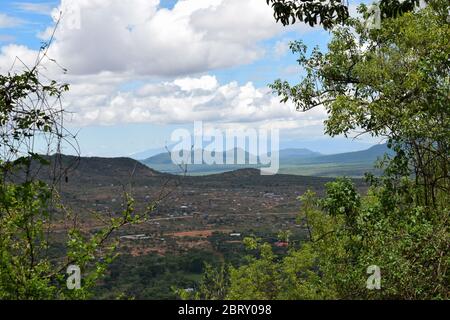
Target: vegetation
153, 276
349, 233
391, 82
331, 13
29, 268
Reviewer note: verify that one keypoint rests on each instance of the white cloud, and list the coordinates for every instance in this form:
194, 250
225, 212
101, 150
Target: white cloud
184, 101
204, 83
141, 37
9, 55
121, 43
108, 98
9, 22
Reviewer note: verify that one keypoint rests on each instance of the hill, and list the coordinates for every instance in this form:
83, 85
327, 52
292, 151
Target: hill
365, 156
88, 170
294, 155
292, 161
163, 162
192, 213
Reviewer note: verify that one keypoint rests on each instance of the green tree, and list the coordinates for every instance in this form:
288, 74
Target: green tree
410, 249
31, 265
393, 83
331, 13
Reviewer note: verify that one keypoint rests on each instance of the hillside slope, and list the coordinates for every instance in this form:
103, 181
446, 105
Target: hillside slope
87, 170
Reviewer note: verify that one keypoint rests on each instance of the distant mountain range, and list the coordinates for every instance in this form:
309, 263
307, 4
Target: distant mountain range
300, 162
365, 156
298, 153
147, 153
292, 161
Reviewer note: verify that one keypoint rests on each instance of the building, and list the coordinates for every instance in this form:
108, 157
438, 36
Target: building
281, 244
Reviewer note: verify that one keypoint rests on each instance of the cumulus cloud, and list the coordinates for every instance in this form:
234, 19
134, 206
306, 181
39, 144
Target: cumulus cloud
9, 55
135, 62
185, 100
139, 36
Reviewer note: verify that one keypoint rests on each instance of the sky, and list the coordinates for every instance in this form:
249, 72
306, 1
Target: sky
139, 69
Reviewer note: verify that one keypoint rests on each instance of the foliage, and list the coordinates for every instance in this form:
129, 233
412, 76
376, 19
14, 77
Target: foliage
31, 111
153, 276
391, 82
394, 83
332, 12
27, 268
409, 246
310, 11
212, 286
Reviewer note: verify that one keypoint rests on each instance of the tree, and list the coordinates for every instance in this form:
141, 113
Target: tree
392, 83
213, 285
332, 12
343, 242
32, 266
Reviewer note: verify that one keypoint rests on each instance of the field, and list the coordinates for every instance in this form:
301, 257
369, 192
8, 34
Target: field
201, 217
355, 170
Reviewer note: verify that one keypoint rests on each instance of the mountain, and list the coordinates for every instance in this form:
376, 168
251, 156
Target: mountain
292, 161
365, 156
161, 158
104, 168
353, 164
165, 157
163, 162
292, 155
147, 153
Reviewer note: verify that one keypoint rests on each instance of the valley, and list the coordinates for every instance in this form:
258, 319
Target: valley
203, 216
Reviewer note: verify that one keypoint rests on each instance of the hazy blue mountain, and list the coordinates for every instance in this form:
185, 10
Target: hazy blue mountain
293, 161
365, 156
147, 154
293, 155
163, 162
326, 145
165, 157
352, 164
161, 158
296, 152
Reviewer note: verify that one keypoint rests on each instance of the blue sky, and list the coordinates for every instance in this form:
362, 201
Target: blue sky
138, 71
